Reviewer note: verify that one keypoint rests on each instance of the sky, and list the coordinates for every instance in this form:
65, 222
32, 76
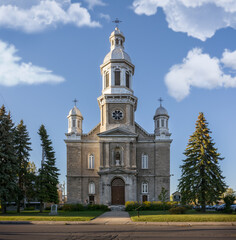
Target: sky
183, 51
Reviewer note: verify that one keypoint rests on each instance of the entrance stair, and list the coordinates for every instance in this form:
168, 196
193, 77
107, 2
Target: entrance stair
117, 208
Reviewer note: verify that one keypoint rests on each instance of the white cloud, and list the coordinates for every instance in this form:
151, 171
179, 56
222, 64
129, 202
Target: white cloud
43, 14
13, 71
229, 59
199, 70
105, 16
197, 18
93, 3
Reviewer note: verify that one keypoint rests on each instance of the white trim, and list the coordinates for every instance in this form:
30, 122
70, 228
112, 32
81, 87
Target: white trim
91, 161
144, 187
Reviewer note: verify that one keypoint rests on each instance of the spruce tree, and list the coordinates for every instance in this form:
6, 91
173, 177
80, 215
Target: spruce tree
201, 181
22, 141
48, 174
8, 160
30, 190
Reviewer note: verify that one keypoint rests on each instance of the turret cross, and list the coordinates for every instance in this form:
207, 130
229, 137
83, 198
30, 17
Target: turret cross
160, 100
75, 101
117, 21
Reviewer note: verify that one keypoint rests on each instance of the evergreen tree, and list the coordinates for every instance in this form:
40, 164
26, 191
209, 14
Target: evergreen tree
201, 179
30, 191
8, 160
22, 141
48, 174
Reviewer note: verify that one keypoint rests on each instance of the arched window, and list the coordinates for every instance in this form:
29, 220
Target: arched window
117, 77
144, 187
121, 42
117, 41
91, 161
144, 161
158, 125
106, 79
73, 123
162, 122
127, 79
91, 188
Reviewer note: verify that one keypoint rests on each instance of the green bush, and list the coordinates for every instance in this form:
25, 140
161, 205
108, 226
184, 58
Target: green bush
97, 207
73, 207
155, 206
228, 210
229, 200
177, 210
29, 208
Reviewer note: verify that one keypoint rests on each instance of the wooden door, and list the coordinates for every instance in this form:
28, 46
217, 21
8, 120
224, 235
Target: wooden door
145, 198
117, 192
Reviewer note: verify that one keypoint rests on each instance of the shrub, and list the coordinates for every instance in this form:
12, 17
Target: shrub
155, 206
97, 207
73, 207
177, 210
131, 205
229, 200
29, 208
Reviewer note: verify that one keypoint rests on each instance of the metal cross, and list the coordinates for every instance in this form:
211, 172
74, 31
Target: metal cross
160, 100
75, 101
117, 21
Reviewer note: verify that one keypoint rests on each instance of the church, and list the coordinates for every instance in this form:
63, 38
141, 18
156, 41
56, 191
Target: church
118, 160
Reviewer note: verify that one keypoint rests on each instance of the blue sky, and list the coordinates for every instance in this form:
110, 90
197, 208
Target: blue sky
183, 51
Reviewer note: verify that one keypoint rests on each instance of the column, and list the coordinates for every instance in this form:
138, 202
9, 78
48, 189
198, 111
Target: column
134, 155
107, 155
128, 155
101, 155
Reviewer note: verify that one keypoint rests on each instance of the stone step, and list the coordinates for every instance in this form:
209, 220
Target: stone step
117, 208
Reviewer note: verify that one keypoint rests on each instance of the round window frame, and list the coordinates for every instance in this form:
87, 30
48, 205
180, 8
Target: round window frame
122, 113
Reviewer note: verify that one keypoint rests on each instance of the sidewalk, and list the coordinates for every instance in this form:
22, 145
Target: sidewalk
113, 217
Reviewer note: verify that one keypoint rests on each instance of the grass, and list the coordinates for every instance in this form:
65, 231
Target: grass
191, 216
62, 216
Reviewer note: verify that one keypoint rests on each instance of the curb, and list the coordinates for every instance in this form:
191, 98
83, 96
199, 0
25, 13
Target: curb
181, 224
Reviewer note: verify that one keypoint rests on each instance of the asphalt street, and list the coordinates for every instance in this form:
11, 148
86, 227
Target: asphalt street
114, 232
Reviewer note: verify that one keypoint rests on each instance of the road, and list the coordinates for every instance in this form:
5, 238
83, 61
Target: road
114, 232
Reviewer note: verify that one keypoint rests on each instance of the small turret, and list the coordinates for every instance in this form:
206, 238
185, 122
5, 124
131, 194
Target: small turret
161, 123
75, 119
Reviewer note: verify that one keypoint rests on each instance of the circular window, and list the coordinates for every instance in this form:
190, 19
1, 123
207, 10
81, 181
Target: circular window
117, 115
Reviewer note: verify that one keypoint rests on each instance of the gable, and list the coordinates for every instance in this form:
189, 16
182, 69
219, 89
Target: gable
142, 134
117, 132
93, 133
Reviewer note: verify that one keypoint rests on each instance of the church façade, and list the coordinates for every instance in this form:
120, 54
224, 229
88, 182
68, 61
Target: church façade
118, 160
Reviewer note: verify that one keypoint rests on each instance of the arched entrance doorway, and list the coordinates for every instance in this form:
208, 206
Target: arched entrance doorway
117, 192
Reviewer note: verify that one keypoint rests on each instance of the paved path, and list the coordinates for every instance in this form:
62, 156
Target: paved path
113, 217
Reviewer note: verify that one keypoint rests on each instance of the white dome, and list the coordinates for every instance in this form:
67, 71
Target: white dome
117, 53
75, 112
161, 111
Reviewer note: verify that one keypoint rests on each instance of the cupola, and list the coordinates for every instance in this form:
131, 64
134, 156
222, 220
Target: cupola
161, 118
75, 119
117, 69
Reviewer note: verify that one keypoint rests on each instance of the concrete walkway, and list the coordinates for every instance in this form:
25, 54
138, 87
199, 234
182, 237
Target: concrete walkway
113, 217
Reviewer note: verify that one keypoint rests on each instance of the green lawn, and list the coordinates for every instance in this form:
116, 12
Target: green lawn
160, 216
62, 216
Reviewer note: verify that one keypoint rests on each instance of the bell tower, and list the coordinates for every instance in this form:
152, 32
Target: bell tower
117, 102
